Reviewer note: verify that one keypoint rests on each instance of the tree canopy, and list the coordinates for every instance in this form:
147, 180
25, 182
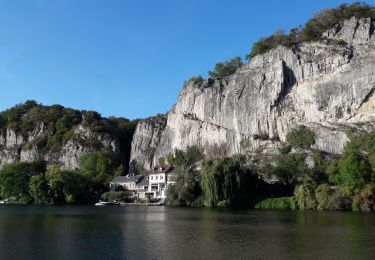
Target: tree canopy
226, 68
314, 27
224, 181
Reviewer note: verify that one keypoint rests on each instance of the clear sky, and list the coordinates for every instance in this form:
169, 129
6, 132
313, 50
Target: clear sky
128, 58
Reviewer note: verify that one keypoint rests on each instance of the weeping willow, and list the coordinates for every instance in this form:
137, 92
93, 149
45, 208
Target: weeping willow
223, 181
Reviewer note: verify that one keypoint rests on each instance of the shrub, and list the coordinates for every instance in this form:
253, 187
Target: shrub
305, 196
341, 199
285, 149
290, 168
261, 136
161, 160
314, 28
245, 143
278, 38
186, 158
352, 171
196, 80
227, 68
198, 202
365, 200
301, 137
224, 203
120, 196
277, 203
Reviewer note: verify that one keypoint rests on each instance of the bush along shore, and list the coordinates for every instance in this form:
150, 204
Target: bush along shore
345, 182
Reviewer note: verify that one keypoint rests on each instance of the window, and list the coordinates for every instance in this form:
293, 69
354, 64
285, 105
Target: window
152, 178
156, 177
161, 177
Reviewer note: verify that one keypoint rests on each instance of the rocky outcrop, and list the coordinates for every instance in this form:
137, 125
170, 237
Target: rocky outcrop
327, 86
31, 146
147, 140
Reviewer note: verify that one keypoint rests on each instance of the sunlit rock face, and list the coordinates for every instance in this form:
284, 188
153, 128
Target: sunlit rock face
327, 86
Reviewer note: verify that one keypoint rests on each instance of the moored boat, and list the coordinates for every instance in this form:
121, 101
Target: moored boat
106, 203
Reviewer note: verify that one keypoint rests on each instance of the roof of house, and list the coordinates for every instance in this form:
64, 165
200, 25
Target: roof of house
161, 169
143, 182
125, 179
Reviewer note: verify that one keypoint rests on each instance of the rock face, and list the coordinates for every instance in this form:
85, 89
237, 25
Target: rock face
327, 86
30, 147
146, 141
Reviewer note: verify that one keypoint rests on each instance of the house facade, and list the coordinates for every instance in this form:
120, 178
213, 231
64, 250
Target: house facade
152, 186
155, 184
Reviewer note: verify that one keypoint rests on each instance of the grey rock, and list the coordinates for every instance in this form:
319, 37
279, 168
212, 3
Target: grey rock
326, 85
16, 147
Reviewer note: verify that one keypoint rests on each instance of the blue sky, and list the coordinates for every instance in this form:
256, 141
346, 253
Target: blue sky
128, 58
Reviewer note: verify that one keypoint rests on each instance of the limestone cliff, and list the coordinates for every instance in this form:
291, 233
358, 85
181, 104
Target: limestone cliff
327, 85
60, 136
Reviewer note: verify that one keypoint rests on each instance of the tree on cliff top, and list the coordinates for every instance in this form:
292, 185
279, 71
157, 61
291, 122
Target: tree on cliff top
314, 28
226, 68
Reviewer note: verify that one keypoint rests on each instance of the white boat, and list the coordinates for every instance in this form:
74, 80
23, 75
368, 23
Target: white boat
106, 203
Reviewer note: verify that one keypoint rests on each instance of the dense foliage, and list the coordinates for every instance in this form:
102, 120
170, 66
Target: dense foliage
226, 182
14, 180
277, 203
314, 28
227, 68
186, 191
289, 168
186, 158
301, 137
33, 183
345, 183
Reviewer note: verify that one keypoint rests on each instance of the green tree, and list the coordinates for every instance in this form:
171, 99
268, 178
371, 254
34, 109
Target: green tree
38, 189
185, 191
98, 168
290, 168
187, 158
227, 68
224, 180
66, 186
14, 179
354, 171
301, 137
314, 27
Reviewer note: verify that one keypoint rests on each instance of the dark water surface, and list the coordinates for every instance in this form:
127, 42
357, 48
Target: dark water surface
177, 233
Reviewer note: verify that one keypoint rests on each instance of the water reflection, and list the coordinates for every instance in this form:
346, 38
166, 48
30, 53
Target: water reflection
177, 233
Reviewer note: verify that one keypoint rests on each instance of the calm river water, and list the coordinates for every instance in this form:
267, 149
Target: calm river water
134, 232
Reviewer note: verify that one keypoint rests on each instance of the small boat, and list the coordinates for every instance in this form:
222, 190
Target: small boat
106, 203
4, 201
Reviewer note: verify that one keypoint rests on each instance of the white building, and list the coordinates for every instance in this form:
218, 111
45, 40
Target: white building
155, 184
